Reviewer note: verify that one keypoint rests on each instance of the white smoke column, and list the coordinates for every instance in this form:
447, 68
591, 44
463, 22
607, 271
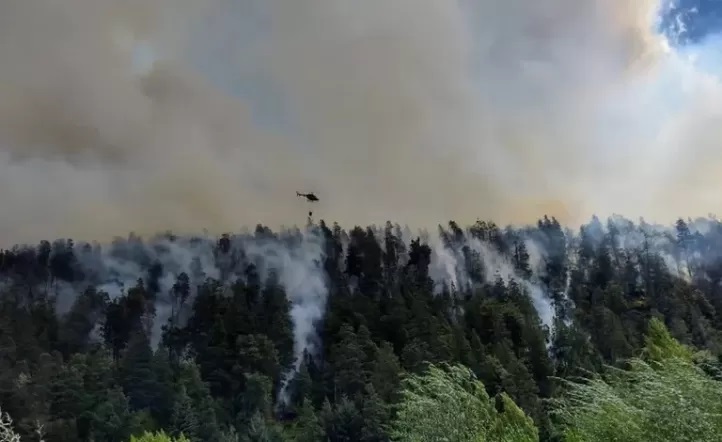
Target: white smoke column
537, 259
497, 265
571, 261
660, 239
114, 268
448, 265
299, 265
536, 256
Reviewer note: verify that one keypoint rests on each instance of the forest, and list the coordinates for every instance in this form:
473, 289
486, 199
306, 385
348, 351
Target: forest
609, 332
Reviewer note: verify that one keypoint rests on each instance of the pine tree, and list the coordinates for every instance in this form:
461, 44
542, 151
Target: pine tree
386, 374
374, 415
138, 378
184, 419
348, 357
343, 423
308, 426
255, 399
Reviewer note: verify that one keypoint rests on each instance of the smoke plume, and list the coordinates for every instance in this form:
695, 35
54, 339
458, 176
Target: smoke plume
189, 115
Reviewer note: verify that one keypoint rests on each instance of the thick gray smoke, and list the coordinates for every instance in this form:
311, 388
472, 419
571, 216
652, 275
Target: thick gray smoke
294, 257
143, 116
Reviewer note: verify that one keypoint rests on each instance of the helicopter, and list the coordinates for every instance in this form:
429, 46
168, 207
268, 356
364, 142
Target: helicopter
309, 196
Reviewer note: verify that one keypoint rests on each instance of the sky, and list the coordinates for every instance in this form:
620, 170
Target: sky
694, 29
690, 22
130, 115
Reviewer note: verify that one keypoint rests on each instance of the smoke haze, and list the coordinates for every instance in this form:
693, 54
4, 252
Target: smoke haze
188, 115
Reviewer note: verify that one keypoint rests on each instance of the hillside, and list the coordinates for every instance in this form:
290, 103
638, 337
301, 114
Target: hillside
323, 333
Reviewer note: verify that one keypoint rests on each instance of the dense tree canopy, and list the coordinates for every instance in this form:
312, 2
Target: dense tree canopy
373, 334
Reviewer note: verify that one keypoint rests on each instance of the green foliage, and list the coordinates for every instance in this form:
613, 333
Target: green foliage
660, 345
255, 400
308, 427
7, 432
450, 404
184, 419
671, 401
260, 430
342, 422
159, 436
136, 368
668, 398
